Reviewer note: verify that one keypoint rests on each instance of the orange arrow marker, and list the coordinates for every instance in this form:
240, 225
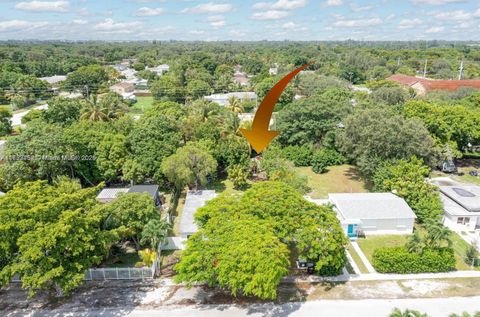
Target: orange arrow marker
260, 137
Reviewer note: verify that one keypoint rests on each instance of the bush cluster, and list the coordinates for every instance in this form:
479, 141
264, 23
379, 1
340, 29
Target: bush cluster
324, 158
299, 155
399, 260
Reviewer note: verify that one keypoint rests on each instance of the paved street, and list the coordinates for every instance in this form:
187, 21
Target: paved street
324, 308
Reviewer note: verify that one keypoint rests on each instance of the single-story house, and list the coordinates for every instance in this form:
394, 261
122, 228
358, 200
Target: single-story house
160, 69
123, 88
193, 201
109, 194
222, 99
241, 79
423, 85
461, 205
54, 80
372, 213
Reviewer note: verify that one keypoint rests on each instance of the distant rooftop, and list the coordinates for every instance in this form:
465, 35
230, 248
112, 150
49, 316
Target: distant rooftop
371, 206
193, 201
54, 79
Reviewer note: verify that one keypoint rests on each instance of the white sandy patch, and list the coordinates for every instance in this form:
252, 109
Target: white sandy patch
424, 287
156, 295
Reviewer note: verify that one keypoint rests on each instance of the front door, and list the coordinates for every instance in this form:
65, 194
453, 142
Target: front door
352, 231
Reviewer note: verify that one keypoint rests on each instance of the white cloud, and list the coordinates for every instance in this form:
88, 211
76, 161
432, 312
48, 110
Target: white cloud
19, 25
210, 7
110, 26
270, 15
80, 21
409, 23
216, 21
42, 6
281, 5
435, 29
149, 12
357, 8
354, 23
293, 26
457, 15
436, 2
333, 3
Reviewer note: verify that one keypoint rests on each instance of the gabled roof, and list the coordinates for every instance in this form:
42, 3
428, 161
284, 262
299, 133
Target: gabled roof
110, 193
371, 206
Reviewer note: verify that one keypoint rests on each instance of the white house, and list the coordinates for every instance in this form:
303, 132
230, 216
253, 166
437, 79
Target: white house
160, 69
109, 194
222, 99
461, 205
2, 147
54, 80
373, 214
193, 201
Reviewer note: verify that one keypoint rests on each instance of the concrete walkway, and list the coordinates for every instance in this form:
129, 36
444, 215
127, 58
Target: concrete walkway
362, 256
354, 265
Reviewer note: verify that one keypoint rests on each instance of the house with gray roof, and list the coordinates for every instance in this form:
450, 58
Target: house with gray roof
461, 205
193, 201
109, 194
373, 213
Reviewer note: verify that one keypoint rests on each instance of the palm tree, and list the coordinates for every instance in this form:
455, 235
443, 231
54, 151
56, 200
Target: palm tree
206, 111
94, 111
437, 235
155, 232
147, 256
235, 105
114, 105
231, 126
415, 243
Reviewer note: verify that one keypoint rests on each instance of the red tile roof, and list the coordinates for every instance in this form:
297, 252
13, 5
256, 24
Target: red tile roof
429, 84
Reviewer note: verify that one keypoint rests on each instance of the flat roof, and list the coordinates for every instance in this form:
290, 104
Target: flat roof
467, 196
111, 193
193, 201
371, 206
453, 209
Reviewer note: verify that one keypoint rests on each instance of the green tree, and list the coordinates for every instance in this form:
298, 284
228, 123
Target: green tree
263, 87
407, 179
190, 165
130, 212
112, 154
407, 313
88, 79
375, 135
5, 122
197, 89
63, 111
238, 174
155, 232
306, 121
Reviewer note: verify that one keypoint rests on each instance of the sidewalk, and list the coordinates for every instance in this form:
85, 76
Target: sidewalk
363, 257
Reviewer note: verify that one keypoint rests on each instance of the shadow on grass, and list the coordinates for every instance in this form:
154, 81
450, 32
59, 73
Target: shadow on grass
354, 174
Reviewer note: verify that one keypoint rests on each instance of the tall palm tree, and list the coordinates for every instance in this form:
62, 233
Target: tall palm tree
231, 126
235, 105
94, 111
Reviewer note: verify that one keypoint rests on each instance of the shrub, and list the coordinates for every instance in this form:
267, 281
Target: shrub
399, 260
299, 155
324, 158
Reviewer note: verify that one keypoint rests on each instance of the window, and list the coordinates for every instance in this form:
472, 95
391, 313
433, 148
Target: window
463, 220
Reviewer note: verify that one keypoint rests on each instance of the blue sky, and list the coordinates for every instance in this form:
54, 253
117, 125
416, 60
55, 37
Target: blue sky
240, 20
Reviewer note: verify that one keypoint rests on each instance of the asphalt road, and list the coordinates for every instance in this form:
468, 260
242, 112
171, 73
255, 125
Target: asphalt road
323, 308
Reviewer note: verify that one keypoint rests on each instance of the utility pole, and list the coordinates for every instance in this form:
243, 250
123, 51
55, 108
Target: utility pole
86, 88
398, 62
460, 71
425, 69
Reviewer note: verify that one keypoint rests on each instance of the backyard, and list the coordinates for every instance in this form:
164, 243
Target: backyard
338, 179
143, 104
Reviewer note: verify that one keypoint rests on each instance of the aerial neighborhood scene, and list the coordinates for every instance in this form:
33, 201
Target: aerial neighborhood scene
240, 158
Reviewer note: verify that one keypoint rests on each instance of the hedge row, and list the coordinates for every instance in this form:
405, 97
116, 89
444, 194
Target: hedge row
399, 260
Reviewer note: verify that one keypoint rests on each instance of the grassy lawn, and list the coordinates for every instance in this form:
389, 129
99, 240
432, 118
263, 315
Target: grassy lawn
338, 179
368, 245
460, 247
356, 258
178, 213
464, 167
142, 104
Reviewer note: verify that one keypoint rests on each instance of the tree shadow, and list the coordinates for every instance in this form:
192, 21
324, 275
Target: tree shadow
355, 175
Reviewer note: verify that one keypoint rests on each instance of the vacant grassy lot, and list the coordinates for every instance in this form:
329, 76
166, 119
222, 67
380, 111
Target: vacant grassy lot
142, 104
368, 245
338, 179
